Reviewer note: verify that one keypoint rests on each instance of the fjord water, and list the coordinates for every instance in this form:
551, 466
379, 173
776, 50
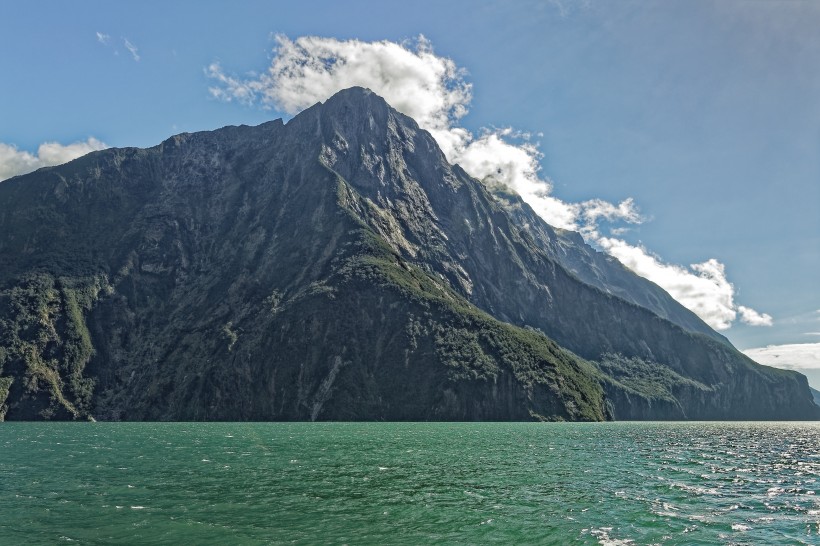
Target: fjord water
270, 483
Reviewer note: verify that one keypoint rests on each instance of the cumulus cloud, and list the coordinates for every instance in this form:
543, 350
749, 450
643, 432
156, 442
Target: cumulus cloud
14, 162
132, 48
752, 317
797, 356
702, 287
433, 90
429, 88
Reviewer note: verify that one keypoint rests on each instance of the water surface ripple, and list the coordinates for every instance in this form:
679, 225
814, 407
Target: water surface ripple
410, 483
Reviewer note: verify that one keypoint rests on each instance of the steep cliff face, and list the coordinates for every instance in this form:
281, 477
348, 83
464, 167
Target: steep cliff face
507, 261
601, 270
238, 280
336, 267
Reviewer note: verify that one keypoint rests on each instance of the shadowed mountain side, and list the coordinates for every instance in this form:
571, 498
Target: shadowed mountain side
450, 225
600, 269
336, 267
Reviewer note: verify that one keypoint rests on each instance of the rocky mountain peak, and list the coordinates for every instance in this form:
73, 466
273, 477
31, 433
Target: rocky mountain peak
357, 100
378, 150
334, 267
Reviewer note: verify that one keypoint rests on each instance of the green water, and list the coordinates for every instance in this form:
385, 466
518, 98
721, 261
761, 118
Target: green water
409, 483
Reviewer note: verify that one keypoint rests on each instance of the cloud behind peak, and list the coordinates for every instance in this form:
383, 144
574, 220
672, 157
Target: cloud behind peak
433, 90
15, 162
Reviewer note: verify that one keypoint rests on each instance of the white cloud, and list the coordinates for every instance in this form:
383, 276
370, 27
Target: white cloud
432, 90
617, 232
307, 70
132, 48
231, 89
703, 287
103, 38
14, 162
752, 317
797, 356
597, 209
417, 82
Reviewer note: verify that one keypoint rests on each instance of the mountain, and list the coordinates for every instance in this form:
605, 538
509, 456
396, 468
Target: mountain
335, 267
600, 269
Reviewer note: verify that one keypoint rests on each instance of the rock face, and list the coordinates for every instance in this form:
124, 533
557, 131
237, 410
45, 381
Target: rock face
336, 267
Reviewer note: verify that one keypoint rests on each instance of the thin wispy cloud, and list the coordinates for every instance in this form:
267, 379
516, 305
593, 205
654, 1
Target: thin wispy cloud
566, 8
105, 39
808, 318
132, 48
14, 162
796, 356
433, 90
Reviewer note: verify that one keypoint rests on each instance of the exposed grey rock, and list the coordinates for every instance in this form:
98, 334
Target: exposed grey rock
334, 267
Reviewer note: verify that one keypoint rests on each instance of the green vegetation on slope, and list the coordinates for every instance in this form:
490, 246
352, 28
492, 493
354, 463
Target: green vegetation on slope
45, 345
332, 268
473, 346
650, 380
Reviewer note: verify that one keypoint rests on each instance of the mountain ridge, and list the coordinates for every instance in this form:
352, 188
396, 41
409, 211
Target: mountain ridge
217, 275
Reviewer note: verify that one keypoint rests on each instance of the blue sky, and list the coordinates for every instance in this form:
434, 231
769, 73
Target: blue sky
706, 114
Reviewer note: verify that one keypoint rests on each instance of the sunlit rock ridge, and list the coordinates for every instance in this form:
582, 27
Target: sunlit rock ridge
336, 267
